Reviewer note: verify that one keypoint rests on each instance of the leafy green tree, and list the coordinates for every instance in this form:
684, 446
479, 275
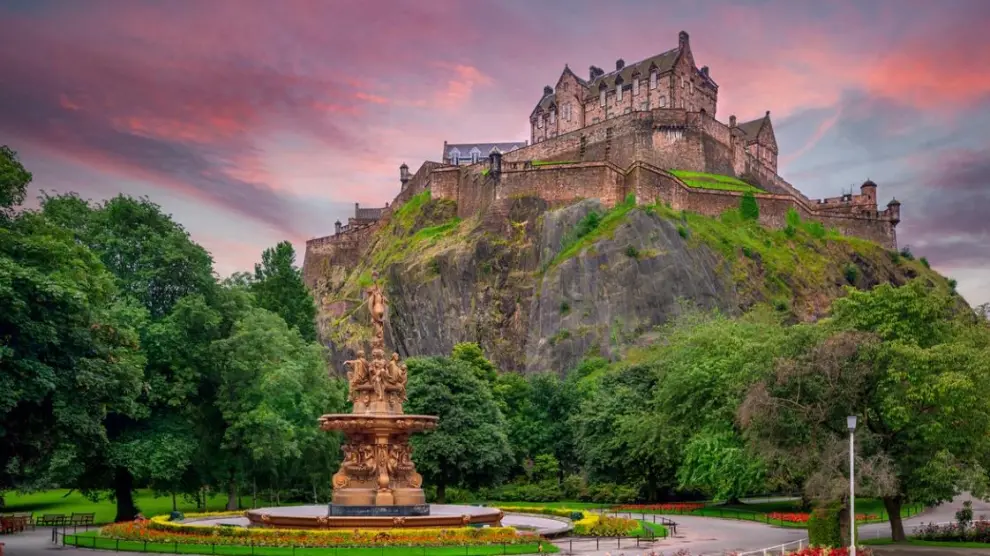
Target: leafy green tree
274, 388
14, 179
717, 463
513, 394
469, 447
471, 353
156, 265
748, 207
278, 286
69, 357
914, 367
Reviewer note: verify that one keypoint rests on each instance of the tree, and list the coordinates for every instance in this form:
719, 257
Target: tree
913, 367
69, 353
274, 387
155, 264
279, 288
748, 207
471, 353
469, 447
14, 179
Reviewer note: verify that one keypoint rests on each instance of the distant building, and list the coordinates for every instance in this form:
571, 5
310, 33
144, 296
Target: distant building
471, 153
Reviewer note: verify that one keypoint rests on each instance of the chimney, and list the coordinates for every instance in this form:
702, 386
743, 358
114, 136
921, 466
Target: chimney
619, 64
682, 40
704, 71
768, 113
548, 90
732, 121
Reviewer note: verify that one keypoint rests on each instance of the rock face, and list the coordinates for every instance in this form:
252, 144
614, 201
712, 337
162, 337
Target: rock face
541, 289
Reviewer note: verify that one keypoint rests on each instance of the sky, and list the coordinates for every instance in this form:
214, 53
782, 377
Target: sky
255, 121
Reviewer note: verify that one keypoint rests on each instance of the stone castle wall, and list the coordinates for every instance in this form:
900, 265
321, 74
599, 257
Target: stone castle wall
609, 160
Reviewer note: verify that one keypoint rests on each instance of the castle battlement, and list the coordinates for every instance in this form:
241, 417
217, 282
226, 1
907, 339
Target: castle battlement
618, 134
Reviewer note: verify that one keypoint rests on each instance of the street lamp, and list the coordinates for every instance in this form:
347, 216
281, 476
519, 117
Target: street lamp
851, 423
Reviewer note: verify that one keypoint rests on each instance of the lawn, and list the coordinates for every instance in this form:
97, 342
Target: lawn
760, 511
93, 540
702, 180
566, 505
67, 502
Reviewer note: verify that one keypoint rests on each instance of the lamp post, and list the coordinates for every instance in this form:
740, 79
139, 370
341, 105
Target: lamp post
851, 423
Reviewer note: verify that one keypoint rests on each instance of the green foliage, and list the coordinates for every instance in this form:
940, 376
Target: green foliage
702, 180
906, 253
14, 179
592, 228
69, 357
565, 307
469, 447
549, 162
824, 528
749, 209
682, 231
471, 353
851, 272
278, 287
716, 463
632, 252
924, 262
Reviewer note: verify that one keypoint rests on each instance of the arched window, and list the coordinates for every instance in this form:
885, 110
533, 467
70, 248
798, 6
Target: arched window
653, 79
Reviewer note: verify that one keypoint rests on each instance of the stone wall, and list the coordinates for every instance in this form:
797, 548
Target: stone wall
338, 250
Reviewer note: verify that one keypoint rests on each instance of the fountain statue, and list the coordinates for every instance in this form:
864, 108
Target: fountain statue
377, 485
377, 476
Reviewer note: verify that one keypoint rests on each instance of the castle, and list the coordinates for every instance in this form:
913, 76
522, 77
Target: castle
631, 131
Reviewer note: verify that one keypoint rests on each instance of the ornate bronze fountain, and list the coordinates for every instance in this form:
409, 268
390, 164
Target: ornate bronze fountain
377, 485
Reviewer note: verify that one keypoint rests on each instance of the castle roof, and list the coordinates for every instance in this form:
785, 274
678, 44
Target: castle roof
664, 62
752, 128
464, 149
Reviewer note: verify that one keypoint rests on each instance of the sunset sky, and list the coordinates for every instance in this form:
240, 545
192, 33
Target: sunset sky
254, 121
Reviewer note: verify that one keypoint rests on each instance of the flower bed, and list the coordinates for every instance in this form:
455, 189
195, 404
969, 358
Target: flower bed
802, 517
818, 551
177, 533
977, 531
675, 507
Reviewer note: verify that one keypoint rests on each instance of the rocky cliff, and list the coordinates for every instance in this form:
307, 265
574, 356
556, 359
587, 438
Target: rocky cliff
540, 289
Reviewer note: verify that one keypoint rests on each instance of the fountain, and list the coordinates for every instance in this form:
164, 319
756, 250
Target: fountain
377, 485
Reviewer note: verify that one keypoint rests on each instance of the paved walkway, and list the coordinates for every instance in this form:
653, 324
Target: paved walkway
702, 536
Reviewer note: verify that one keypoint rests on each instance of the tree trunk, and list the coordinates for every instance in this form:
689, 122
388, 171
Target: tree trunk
123, 489
893, 506
232, 493
175, 507
316, 498
844, 524
441, 493
254, 493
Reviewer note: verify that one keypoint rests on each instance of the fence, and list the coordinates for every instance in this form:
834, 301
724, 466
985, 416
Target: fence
585, 544
778, 550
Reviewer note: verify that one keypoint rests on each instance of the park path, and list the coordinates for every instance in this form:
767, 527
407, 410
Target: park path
702, 536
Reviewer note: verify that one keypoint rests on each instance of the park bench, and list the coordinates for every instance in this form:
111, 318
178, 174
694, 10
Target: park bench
81, 519
52, 520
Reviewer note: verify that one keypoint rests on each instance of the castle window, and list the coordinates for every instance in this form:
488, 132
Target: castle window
474, 158
453, 158
653, 80
663, 101
553, 117
636, 86
618, 93
601, 97
539, 121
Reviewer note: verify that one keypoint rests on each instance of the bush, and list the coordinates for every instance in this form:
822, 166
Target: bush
851, 271
682, 231
906, 253
632, 252
574, 487
749, 208
924, 262
823, 527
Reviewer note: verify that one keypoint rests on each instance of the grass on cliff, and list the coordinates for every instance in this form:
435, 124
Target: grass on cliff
593, 227
702, 180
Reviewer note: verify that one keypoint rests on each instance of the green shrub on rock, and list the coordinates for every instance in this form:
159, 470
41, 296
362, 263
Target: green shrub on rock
824, 528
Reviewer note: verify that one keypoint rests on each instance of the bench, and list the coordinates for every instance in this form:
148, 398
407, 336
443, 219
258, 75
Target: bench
52, 520
81, 519
15, 523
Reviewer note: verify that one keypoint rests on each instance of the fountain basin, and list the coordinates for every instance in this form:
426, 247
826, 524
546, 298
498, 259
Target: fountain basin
378, 423
316, 517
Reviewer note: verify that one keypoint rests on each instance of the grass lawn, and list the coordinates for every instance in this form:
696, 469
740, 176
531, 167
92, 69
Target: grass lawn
567, 505
93, 540
702, 180
760, 511
56, 502
918, 542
